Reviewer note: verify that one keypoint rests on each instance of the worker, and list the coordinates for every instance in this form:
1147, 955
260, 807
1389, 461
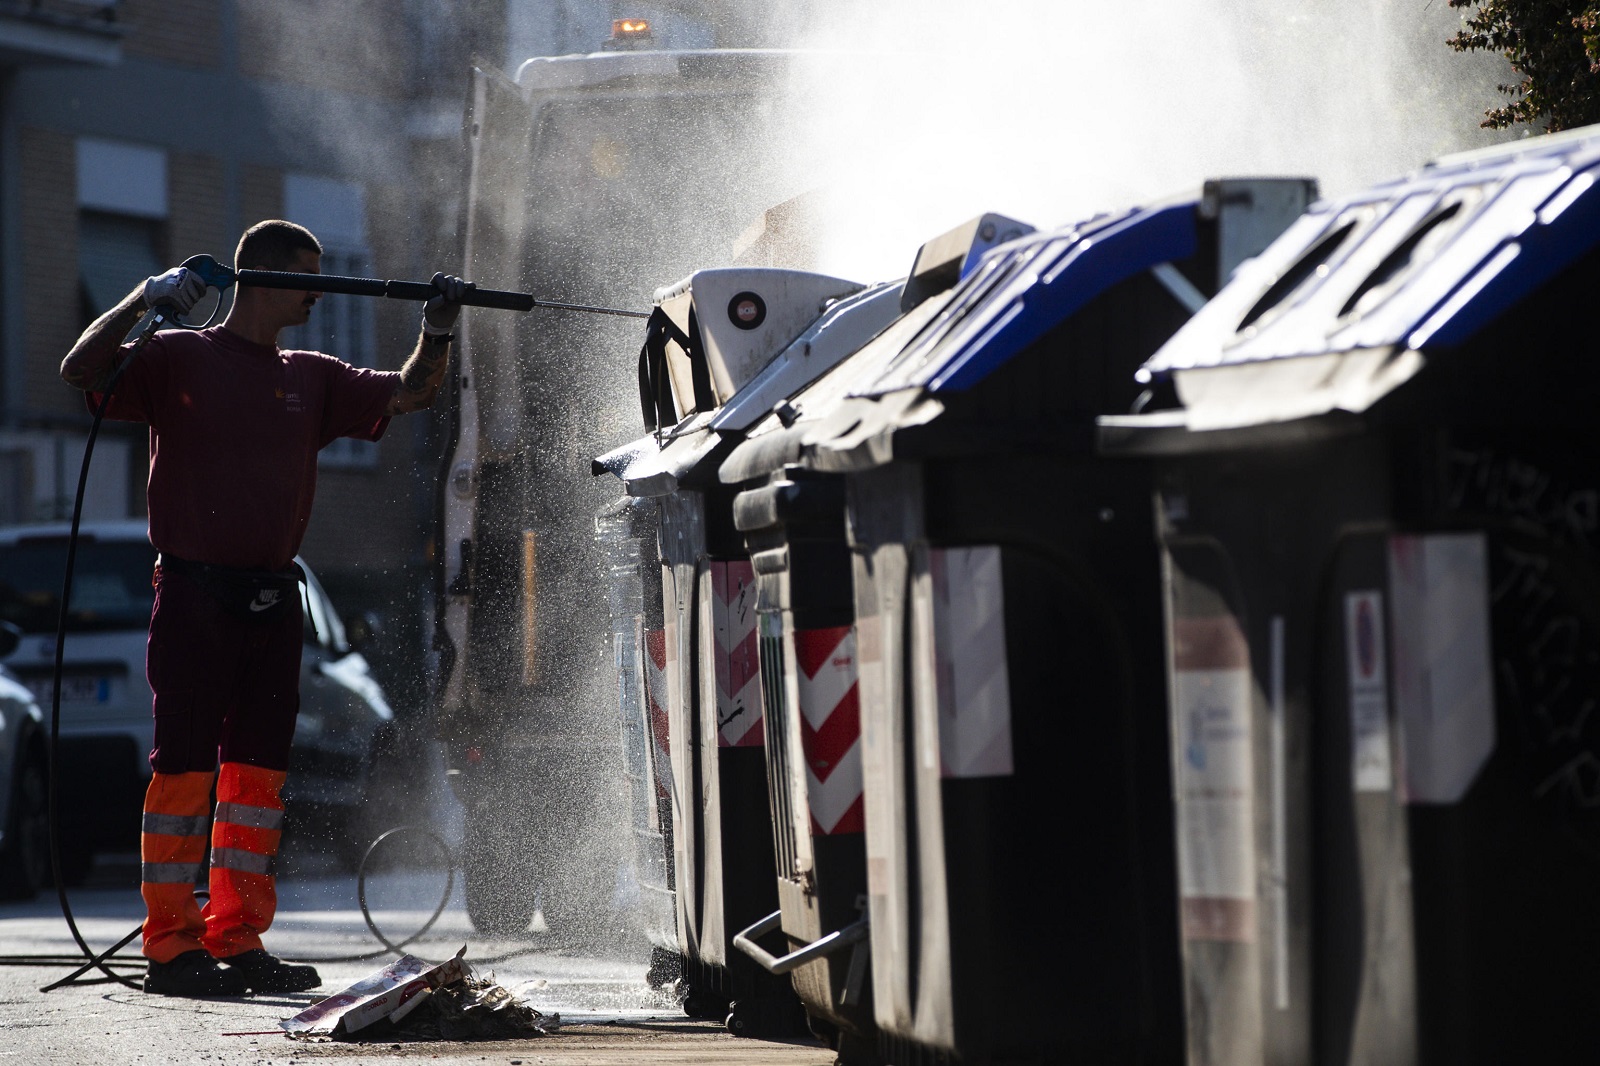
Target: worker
235, 426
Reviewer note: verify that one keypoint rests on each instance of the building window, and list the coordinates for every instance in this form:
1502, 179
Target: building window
122, 211
341, 326
115, 254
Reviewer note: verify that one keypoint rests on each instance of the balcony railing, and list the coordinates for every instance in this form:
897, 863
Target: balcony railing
35, 32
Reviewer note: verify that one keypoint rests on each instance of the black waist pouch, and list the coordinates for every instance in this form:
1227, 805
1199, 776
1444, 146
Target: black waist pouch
259, 594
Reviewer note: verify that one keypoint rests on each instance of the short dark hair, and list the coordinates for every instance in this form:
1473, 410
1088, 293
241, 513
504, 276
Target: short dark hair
271, 245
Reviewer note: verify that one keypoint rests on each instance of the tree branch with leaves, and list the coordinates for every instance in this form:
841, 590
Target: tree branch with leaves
1553, 45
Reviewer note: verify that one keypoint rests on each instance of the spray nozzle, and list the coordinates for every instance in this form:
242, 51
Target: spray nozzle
213, 273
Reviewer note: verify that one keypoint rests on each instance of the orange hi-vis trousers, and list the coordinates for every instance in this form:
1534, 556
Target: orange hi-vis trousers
244, 840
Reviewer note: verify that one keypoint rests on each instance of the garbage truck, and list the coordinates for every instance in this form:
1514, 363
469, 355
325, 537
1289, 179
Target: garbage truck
591, 178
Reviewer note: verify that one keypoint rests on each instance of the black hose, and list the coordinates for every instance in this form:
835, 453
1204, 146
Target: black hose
110, 958
95, 961
100, 961
366, 914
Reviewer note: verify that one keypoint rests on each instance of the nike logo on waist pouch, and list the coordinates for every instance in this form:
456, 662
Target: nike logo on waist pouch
254, 594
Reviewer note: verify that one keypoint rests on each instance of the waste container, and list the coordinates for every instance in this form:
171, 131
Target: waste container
1008, 616
718, 337
627, 535
793, 525
794, 529
1377, 514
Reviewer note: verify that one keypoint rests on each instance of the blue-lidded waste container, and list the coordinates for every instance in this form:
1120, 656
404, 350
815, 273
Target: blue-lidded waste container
1377, 505
1006, 586
718, 337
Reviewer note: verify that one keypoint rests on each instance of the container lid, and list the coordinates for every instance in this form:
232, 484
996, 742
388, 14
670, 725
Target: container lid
863, 328
1415, 265
739, 319
652, 466
655, 465
842, 329
1023, 289
1014, 296
810, 416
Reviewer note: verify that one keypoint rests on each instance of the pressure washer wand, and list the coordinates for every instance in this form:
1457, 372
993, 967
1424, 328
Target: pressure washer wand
218, 276
416, 290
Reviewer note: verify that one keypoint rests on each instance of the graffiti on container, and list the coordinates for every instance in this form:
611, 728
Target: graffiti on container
1546, 661
1547, 648
1577, 781
1488, 481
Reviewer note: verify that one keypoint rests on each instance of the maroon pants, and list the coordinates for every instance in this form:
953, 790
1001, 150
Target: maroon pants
223, 683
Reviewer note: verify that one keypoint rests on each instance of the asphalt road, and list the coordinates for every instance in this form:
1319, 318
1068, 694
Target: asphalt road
608, 1012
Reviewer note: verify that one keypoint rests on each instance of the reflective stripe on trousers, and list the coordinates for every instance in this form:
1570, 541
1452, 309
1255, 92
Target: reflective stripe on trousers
171, 848
244, 841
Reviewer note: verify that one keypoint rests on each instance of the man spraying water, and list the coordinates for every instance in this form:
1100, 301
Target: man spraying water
235, 427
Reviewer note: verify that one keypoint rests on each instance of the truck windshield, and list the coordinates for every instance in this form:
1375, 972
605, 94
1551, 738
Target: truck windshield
628, 194
110, 585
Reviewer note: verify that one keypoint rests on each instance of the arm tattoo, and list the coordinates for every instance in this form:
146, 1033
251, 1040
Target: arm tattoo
419, 368
420, 378
94, 359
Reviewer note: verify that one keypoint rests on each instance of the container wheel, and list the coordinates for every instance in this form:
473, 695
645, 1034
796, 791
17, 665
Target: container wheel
698, 1004
774, 1018
823, 1029
855, 1050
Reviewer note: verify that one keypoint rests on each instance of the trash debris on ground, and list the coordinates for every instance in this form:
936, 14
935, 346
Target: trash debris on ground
412, 999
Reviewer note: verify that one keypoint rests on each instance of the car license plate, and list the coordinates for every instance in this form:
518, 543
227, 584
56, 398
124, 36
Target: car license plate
75, 688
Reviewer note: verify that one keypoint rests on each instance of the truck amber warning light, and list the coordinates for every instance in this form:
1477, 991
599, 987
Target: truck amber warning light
630, 27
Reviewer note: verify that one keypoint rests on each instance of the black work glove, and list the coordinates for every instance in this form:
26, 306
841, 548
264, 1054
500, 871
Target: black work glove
439, 314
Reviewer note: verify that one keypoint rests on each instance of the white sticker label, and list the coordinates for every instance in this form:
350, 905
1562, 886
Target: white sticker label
974, 689
1367, 659
1214, 778
1443, 680
1215, 781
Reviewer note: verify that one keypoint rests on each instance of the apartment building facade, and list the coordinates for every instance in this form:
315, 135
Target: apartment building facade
136, 133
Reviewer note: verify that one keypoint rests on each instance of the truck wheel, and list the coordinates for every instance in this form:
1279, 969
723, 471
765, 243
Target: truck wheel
499, 901
25, 859
493, 914
77, 862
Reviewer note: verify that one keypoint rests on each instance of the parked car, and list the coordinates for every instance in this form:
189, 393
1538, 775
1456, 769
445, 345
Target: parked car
106, 725
24, 842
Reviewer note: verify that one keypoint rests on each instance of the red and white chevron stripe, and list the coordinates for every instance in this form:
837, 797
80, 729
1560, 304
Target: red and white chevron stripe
737, 654
655, 695
830, 728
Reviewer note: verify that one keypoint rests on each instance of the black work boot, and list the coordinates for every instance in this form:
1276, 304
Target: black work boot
268, 973
195, 974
